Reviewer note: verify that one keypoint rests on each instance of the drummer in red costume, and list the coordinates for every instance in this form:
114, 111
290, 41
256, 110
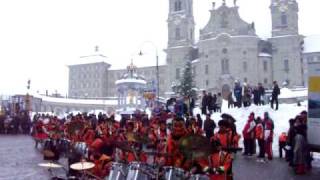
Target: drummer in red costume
40, 132
178, 131
135, 153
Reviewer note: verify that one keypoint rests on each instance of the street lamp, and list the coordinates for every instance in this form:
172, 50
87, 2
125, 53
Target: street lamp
157, 66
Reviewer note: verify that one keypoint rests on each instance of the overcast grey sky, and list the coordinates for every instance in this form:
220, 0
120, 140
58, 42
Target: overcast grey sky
39, 38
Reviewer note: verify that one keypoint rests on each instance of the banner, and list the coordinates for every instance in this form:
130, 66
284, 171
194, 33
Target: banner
314, 104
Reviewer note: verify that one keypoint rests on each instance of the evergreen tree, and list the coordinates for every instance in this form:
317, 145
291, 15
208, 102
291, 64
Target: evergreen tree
187, 85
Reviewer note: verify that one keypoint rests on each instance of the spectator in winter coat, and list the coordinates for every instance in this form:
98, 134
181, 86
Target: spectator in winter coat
268, 134
300, 151
199, 121
204, 102
256, 96
211, 102
219, 103
248, 135
259, 134
238, 94
275, 94
290, 142
230, 100
246, 95
262, 93
209, 126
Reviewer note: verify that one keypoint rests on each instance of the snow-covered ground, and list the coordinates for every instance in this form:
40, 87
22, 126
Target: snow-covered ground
280, 117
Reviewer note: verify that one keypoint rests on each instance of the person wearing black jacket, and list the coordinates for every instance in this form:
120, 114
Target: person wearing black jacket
204, 103
209, 126
275, 94
211, 102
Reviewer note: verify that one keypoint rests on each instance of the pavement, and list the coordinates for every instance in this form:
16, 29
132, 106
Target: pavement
19, 161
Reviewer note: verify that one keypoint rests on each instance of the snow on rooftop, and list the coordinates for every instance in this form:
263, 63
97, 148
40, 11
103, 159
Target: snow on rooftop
90, 59
77, 101
264, 55
131, 80
312, 44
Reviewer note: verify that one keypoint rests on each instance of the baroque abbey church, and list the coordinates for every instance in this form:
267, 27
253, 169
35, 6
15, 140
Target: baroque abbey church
228, 50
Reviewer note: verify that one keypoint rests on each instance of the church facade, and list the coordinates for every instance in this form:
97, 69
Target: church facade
228, 50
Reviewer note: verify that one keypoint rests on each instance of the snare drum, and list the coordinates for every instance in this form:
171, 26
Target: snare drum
139, 171
81, 148
118, 171
199, 177
174, 173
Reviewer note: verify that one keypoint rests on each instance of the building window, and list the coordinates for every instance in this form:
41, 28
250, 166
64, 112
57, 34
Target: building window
207, 82
194, 71
191, 34
178, 5
245, 66
206, 69
265, 66
178, 34
225, 66
178, 73
245, 80
286, 65
318, 58
310, 58
284, 20
244, 52
224, 50
265, 81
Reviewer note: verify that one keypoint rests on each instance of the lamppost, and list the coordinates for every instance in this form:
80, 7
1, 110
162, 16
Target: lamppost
157, 66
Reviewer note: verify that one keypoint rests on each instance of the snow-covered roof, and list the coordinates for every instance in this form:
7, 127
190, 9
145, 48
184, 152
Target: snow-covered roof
312, 44
131, 80
264, 55
91, 59
77, 101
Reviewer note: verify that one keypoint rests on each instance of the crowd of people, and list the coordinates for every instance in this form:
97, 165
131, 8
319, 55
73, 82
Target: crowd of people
293, 143
18, 124
165, 139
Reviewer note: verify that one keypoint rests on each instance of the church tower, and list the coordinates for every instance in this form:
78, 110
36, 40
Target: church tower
286, 43
284, 17
180, 23
180, 39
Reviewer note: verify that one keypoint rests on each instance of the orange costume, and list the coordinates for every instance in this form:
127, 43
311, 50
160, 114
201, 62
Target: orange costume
221, 163
227, 138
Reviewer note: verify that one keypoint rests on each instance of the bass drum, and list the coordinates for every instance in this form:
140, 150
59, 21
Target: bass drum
199, 177
139, 171
50, 151
173, 173
118, 171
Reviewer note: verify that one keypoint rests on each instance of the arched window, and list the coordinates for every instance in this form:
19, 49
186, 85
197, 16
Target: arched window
245, 66
178, 5
225, 66
178, 37
284, 19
